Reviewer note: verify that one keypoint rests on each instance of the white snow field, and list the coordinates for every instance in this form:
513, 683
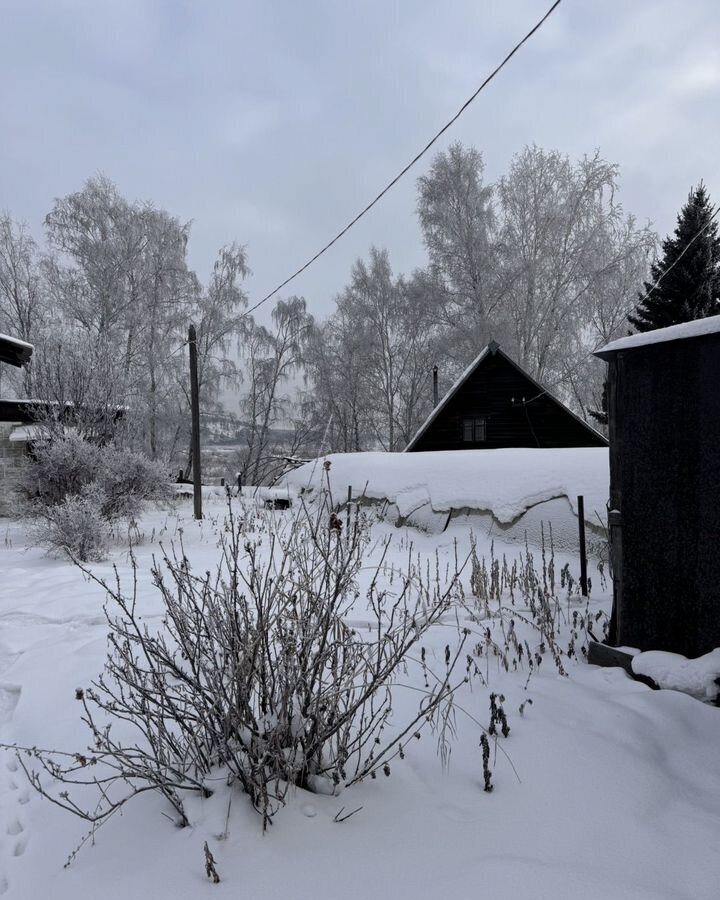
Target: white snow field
603, 790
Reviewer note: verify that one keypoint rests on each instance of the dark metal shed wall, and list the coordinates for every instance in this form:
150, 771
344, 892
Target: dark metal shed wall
665, 479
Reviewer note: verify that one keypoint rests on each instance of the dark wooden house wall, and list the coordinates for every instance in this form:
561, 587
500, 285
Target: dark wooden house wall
496, 390
19, 411
26, 412
664, 406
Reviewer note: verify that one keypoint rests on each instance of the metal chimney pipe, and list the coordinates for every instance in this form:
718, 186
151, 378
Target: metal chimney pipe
435, 386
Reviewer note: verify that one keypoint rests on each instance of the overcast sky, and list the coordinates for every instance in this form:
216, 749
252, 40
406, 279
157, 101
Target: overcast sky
273, 122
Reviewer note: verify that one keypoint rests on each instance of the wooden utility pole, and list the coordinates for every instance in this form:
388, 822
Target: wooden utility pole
195, 416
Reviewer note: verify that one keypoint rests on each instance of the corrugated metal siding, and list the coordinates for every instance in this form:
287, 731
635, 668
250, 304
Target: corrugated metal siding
665, 479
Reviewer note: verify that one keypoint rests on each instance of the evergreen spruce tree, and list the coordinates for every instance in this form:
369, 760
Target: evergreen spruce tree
691, 288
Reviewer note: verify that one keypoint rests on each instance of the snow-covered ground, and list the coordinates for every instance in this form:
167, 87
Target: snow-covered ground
697, 677
603, 789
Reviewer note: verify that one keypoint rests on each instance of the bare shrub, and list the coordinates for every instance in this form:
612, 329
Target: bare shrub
77, 526
60, 468
257, 674
129, 480
67, 466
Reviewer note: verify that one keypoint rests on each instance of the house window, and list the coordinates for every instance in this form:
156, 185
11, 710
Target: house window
474, 430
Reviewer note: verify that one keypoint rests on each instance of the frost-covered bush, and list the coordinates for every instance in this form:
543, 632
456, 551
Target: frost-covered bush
60, 468
128, 480
256, 676
76, 525
67, 466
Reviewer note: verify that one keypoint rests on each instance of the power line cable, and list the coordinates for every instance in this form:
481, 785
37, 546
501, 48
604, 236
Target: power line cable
653, 287
412, 162
559, 381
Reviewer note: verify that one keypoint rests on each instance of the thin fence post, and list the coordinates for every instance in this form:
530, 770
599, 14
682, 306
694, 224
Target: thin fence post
347, 530
583, 553
195, 417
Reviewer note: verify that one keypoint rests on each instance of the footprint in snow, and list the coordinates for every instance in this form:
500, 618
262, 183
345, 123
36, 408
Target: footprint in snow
23, 794
14, 829
9, 699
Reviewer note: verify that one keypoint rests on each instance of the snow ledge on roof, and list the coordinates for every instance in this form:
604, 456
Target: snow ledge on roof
505, 482
24, 434
5, 338
697, 328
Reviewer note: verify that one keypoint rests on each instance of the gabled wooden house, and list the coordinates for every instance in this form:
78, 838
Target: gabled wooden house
664, 419
495, 403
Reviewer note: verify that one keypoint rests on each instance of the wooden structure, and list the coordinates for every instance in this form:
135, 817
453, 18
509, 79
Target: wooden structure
21, 426
12, 453
14, 352
664, 517
22, 412
495, 403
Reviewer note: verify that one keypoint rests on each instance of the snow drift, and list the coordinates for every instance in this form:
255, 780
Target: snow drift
427, 489
697, 677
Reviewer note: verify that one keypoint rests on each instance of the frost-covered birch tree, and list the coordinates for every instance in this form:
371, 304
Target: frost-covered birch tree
22, 293
118, 275
373, 367
545, 261
566, 246
457, 215
271, 357
334, 364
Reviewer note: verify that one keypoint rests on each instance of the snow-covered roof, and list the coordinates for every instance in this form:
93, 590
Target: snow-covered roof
697, 328
14, 351
505, 482
5, 338
492, 348
25, 433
